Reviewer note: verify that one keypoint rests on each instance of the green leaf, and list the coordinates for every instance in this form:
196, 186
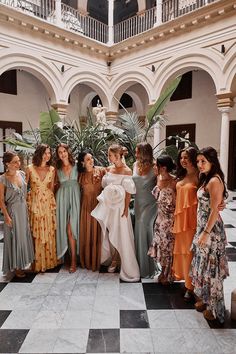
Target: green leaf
162, 100
48, 127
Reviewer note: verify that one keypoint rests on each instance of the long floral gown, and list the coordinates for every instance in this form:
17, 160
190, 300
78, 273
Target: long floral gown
209, 264
162, 246
42, 217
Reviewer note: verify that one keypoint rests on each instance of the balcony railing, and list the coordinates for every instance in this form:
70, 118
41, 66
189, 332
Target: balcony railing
134, 25
67, 17
70, 18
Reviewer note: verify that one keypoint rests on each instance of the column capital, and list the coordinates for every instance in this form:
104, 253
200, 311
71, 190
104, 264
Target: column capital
225, 100
61, 109
111, 117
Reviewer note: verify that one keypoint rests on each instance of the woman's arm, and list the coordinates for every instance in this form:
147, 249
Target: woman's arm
215, 189
127, 201
7, 218
27, 175
51, 185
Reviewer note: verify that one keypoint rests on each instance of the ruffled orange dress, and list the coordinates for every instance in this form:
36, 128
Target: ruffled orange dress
42, 218
185, 222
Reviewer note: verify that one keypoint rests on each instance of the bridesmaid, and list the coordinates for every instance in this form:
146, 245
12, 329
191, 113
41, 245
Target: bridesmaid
209, 265
90, 179
68, 204
18, 250
42, 208
185, 219
162, 246
144, 207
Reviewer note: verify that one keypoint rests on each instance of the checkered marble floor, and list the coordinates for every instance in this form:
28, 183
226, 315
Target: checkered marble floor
88, 312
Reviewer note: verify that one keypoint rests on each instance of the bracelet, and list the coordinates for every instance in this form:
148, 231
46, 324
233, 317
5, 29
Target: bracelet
207, 232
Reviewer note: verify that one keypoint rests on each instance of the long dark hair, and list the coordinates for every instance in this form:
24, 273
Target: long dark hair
192, 155
80, 160
58, 161
211, 155
8, 157
165, 161
38, 155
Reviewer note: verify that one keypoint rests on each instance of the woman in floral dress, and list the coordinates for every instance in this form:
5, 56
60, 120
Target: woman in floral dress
42, 208
162, 246
209, 265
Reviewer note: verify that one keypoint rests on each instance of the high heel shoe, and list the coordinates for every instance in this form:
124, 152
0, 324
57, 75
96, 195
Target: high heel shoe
19, 273
72, 268
208, 315
200, 306
112, 267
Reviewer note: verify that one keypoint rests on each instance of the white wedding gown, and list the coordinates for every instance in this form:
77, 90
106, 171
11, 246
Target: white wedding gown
117, 230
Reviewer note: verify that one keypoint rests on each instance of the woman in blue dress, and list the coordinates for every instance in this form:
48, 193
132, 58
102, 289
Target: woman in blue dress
68, 204
209, 264
145, 208
18, 250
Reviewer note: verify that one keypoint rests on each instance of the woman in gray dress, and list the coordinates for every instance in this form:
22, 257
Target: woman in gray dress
145, 208
18, 245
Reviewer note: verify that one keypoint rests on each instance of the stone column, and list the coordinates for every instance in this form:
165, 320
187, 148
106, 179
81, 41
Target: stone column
58, 21
111, 117
224, 104
158, 13
110, 22
61, 109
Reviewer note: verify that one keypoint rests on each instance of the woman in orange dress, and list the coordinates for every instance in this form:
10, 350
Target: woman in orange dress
90, 178
42, 208
185, 219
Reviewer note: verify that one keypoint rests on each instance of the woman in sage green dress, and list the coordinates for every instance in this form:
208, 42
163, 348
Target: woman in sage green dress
68, 204
145, 207
18, 250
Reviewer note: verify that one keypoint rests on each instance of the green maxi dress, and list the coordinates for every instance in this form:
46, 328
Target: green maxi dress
68, 209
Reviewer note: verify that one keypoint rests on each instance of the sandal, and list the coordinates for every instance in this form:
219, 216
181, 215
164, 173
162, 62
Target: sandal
208, 315
188, 296
200, 306
72, 268
19, 273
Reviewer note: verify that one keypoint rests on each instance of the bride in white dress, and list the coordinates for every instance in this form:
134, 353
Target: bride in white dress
112, 212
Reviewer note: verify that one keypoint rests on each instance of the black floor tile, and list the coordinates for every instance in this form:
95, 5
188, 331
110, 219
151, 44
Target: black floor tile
11, 340
232, 244
1, 241
103, 269
227, 324
157, 302
27, 279
54, 270
178, 303
154, 288
231, 254
133, 319
233, 209
122, 281
103, 341
2, 286
229, 226
176, 288
3, 316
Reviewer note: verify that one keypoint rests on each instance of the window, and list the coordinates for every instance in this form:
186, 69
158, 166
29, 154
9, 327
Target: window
184, 90
7, 129
8, 82
96, 101
126, 101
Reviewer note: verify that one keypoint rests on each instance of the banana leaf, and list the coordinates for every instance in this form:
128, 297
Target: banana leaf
49, 129
161, 101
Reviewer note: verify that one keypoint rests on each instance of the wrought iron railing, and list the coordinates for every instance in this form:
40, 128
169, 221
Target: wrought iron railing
72, 20
134, 25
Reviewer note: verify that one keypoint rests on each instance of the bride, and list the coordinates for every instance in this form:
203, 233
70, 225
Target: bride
112, 212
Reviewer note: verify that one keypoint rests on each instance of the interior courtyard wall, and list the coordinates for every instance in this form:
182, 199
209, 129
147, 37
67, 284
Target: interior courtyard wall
31, 99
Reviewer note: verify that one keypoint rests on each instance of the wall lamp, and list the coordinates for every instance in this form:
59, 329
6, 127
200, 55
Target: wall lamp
153, 68
222, 49
62, 68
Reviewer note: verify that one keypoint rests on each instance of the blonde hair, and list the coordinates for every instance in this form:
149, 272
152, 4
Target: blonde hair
118, 149
146, 156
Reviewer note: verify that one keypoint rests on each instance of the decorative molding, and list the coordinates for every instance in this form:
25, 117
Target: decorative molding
225, 100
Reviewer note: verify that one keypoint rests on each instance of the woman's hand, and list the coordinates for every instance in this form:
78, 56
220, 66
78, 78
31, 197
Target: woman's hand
8, 221
222, 205
204, 237
125, 212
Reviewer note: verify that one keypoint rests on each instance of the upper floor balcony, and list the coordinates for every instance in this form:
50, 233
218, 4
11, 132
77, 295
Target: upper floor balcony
64, 16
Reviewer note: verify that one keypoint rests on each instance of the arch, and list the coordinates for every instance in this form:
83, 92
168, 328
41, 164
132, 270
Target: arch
177, 66
86, 102
124, 81
230, 76
92, 80
37, 68
138, 102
